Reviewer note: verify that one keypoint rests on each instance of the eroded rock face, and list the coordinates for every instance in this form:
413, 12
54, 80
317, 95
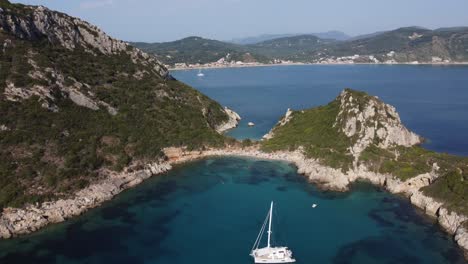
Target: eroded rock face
38, 23
232, 122
450, 220
368, 120
59, 29
461, 237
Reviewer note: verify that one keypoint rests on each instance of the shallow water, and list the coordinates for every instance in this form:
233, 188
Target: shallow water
431, 100
210, 211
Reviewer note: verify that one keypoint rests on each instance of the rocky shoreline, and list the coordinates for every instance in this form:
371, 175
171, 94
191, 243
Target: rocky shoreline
15, 222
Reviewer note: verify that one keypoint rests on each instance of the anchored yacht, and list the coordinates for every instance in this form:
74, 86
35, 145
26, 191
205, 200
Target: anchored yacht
270, 254
200, 73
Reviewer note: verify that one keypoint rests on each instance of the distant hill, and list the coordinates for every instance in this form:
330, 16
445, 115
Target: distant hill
404, 45
290, 47
335, 35
193, 50
366, 35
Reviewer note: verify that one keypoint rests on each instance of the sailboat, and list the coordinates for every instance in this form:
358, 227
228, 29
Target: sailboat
200, 74
270, 254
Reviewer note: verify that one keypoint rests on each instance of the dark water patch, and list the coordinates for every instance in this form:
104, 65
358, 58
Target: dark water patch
453, 255
119, 211
78, 244
381, 219
282, 188
375, 250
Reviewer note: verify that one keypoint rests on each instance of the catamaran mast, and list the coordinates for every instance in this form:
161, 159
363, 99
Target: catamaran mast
269, 224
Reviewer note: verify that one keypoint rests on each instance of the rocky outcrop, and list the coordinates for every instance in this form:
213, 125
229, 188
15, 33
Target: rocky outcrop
368, 120
461, 237
59, 29
232, 122
39, 24
450, 220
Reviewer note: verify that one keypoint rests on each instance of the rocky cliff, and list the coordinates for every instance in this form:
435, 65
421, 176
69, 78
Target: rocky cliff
367, 120
232, 122
75, 102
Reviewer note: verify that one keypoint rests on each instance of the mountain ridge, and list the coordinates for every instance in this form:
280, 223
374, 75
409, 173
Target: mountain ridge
402, 45
332, 34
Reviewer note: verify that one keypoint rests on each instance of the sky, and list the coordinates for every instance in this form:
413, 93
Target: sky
168, 20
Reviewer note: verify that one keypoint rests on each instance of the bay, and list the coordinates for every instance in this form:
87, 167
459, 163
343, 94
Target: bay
210, 211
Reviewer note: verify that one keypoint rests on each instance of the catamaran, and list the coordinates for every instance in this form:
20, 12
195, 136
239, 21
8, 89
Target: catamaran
270, 254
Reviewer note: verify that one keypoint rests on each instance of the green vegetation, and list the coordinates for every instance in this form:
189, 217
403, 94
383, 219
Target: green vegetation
406, 163
45, 154
292, 48
193, 50
452, 188
313, 130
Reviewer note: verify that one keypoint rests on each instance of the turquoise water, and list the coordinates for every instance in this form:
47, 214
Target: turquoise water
431, 100
210, 211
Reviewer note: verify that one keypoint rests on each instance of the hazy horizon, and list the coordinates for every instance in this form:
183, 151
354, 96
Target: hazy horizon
161, 21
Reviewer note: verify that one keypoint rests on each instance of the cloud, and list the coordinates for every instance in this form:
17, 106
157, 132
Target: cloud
95, 4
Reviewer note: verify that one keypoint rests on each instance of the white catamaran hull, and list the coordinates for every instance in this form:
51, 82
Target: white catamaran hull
273, 255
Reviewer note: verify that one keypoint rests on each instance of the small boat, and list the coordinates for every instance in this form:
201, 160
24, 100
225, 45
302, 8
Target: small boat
251, 124
200, 73
270, 254
314, 205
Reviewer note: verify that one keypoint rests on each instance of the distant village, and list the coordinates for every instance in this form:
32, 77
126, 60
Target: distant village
224, 63
388, 58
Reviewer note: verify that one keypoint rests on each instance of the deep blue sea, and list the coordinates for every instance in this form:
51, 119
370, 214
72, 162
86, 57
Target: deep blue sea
210, 211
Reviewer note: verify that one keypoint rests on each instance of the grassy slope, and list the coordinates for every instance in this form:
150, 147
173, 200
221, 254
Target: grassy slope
313, 130
47, 154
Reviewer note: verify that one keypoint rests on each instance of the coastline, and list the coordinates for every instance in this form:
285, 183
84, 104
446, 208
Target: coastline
307, 63
15, 222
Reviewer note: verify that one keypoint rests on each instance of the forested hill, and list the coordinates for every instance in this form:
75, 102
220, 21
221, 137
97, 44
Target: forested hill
193, 50
74, 101
403, 45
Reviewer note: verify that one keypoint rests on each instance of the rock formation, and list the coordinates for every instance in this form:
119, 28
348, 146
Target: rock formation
370, 120
39, 23
232, 121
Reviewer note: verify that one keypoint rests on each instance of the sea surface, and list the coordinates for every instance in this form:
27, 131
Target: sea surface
431, 100
210, 211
